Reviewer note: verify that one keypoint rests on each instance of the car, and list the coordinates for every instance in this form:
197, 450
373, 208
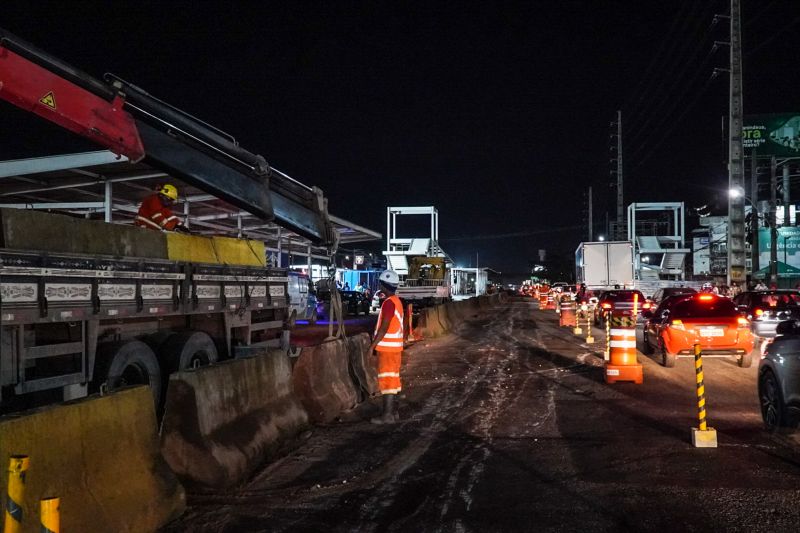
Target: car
618, 302
302, 298
766, 309
666, 292
709, 320
779, 378
354, 303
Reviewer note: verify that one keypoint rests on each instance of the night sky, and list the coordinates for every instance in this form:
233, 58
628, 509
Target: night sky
496, 113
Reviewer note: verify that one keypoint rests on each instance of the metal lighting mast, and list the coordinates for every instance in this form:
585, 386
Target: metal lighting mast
736, 233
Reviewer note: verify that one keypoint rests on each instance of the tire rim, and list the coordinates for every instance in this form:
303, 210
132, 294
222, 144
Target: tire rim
769, 402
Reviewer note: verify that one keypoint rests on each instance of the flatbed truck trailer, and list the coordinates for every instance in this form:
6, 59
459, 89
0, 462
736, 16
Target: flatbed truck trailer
88, 321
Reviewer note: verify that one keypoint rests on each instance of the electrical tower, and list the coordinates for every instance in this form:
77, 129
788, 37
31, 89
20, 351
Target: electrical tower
736, 230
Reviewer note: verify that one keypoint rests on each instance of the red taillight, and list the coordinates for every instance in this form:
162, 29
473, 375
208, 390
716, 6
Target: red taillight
706, 297
743, 322
759, 312
646, 305
606, 306
677, 324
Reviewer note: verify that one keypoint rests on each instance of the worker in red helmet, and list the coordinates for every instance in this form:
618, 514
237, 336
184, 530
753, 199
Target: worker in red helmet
155, 212
388, 342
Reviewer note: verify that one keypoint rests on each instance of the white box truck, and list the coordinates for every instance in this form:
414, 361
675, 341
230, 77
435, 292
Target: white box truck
605, 264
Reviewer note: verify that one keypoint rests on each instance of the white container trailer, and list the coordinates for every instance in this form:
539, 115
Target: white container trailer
605, 264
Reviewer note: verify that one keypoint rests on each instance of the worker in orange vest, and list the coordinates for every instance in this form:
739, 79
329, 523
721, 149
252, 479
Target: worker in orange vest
155, 212
388, 343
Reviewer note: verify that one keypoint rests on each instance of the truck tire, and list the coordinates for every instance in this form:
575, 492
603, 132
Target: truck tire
313, 319
129, 363
667, 359
188, 350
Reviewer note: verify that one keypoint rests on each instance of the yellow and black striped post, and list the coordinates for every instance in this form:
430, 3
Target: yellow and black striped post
50, 515
701, 388
607, 354
17, 469
702, 436
589, 338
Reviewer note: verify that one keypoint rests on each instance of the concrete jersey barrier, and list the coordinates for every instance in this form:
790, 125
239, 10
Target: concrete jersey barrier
322, 380
100, 455
363, 367
223, 421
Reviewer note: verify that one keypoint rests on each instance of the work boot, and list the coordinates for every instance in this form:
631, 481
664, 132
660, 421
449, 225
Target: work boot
388, 416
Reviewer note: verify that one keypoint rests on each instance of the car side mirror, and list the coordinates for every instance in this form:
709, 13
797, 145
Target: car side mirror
664, 314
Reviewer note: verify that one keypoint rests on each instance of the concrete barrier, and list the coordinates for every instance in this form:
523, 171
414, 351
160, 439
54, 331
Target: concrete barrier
444, 318
322, 381
223, 421
363, 367
431, 325
100, 456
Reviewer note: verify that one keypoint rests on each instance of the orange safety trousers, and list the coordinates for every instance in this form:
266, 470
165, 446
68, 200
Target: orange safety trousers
389, 372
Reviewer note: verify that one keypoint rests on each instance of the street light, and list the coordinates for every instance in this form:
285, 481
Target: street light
601, 238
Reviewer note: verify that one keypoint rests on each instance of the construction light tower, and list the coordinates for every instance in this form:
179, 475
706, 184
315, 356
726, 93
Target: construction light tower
736, 229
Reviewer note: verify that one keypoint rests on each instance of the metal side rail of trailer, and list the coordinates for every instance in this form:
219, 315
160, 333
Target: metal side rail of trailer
58, 312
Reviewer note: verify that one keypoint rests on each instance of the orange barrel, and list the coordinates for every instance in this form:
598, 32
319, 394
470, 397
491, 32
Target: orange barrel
542, 300
568, 315
622, 364
551, 303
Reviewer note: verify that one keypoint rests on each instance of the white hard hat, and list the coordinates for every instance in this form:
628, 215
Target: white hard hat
389, 277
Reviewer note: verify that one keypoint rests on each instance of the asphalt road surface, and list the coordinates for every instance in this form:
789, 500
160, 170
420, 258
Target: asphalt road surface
507, 425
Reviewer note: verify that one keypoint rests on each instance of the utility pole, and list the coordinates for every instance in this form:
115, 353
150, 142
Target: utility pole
787, 221
736, 237
773, 221
591, 220
619, 232
754, 255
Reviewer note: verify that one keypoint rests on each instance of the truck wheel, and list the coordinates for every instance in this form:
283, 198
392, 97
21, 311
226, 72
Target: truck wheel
188, 350
746, 360
129, 363
313, 319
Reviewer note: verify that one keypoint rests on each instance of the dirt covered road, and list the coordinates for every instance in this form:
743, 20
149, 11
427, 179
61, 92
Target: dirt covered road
507, 425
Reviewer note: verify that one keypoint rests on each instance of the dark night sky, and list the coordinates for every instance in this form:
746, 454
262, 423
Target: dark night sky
496, 113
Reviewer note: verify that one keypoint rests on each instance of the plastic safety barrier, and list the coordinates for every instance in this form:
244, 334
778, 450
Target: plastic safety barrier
322, 381
100, 455
222, 421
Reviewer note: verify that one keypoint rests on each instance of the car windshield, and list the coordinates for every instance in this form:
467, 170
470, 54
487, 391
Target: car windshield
701, 308
777, 299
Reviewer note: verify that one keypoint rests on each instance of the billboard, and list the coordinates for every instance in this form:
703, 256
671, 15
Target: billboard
776, 134
788, 246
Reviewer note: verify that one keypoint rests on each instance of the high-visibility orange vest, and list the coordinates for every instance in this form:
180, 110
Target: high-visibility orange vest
393, 340
152, 214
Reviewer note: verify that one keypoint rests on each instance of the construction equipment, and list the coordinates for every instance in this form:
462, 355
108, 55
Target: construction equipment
86, 305
423, 267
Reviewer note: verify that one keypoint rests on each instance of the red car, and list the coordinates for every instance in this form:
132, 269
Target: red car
619, 302
709, 320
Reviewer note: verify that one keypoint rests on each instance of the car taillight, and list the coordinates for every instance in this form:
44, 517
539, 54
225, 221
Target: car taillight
706, 297
677, 324
606, 306
646, 305
758, 312
743, 322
